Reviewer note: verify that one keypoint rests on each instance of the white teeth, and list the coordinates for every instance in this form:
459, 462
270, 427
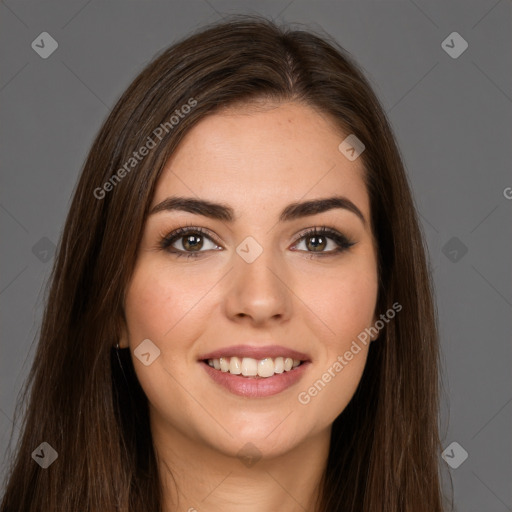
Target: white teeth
266, 367
224, 364
234, 366
278, 365
249, 367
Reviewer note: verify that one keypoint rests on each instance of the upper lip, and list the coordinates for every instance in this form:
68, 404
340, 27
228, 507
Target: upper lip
255, 352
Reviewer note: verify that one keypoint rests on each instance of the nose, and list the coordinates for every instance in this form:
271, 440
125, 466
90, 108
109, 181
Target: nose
258, 292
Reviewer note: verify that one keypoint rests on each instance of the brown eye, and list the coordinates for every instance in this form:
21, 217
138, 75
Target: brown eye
188, 241
317, 240
192, 242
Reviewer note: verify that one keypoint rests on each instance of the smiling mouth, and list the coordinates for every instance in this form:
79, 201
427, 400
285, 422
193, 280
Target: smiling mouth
254, 368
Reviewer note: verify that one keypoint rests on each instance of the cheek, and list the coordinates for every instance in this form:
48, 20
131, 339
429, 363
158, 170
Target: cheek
163, 307
348, 310
343, 301
345, 305
159, 301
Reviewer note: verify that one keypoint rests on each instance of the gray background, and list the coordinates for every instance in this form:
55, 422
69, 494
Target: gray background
452, 119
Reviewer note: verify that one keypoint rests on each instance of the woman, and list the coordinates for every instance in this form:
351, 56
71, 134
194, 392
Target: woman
290, 360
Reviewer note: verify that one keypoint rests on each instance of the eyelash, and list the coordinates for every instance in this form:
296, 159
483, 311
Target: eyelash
341, 240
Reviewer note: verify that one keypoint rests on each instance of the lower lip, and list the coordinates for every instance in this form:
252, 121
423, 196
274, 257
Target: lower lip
256, 387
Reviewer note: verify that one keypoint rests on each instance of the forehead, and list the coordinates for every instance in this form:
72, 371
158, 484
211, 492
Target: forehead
253, 155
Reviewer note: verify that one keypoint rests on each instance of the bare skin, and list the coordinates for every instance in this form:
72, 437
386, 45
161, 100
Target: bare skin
257, 161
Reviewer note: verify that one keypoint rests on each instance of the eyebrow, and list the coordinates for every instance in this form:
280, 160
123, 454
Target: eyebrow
223, 212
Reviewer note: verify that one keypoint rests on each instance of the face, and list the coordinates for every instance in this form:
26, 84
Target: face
250, 278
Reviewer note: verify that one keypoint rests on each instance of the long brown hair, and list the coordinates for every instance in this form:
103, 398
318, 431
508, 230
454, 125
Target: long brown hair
384, 453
